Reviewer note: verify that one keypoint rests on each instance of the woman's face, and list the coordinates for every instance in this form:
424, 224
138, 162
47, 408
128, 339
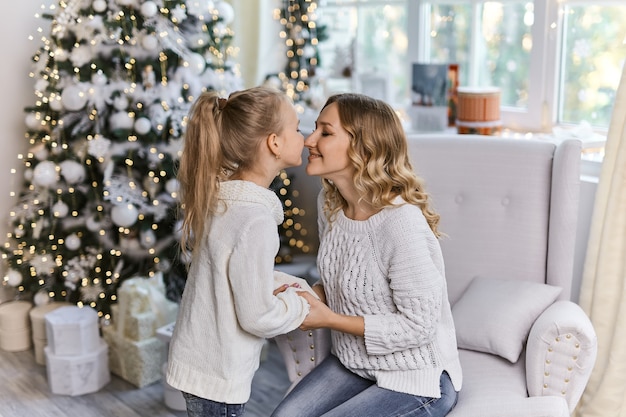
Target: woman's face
328, 147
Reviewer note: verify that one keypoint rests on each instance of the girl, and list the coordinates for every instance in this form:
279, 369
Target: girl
233, 149
394, 349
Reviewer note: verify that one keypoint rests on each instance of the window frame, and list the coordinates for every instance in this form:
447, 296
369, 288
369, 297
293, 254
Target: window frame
541, 112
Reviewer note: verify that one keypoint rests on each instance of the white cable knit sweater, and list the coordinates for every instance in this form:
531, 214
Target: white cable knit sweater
228, 309
390, 270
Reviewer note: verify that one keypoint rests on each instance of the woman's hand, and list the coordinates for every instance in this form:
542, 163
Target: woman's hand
319, 290
320, 315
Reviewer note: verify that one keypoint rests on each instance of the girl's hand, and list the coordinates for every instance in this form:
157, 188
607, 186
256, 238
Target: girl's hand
284, 287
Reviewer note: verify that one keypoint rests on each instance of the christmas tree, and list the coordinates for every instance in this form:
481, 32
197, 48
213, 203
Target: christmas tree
301, 34
114, 80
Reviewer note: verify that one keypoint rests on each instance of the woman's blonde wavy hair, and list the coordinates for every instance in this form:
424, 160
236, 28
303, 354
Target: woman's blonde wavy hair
222, 139
379, 152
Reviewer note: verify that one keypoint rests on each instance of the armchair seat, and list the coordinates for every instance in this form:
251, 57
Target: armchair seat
492, 384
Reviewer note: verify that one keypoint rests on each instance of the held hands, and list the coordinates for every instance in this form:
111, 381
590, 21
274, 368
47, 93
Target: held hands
319, 313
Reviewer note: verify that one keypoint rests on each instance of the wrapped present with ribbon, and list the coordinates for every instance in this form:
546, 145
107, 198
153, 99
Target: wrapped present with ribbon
135, 353
142, 307
136, 361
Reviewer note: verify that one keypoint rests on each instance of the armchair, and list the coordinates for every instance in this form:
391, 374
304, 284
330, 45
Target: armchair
509, 209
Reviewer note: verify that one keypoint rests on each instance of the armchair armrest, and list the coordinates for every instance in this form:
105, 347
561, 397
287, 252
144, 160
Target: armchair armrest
560, 353
302, 351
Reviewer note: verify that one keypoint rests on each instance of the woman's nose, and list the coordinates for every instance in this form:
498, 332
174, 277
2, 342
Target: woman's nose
309, 141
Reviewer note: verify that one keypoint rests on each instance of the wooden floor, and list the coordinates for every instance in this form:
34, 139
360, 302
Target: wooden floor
24, 392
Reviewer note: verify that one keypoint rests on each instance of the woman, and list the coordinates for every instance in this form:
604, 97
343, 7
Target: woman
394, 349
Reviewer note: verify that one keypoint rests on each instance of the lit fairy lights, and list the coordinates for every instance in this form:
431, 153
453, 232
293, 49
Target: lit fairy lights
96, 200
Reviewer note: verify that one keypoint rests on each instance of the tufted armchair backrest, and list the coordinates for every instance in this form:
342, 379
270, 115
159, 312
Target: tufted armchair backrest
509, 207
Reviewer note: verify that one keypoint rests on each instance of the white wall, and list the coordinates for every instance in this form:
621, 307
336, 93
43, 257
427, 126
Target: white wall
16, 87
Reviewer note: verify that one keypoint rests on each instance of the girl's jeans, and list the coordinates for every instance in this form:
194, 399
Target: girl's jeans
330, 390
200, 407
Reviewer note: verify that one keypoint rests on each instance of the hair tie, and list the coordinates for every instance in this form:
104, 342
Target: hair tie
221, 103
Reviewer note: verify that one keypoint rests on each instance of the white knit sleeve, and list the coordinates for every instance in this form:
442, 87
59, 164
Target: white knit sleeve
251, 277
409, 256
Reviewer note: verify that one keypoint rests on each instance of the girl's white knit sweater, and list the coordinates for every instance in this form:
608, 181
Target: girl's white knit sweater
389, 269
228, 309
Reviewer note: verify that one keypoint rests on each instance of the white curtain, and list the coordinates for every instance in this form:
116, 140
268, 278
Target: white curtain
603, 289
257, 36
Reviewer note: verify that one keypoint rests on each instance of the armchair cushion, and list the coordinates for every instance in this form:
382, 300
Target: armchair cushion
495, 315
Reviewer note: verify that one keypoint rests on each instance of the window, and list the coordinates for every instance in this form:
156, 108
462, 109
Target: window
556, 62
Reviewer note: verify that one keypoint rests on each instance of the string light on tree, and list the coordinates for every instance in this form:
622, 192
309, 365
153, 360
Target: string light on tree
293, 236
301, 35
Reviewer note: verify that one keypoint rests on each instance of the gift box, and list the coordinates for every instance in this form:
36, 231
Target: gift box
78, 374
136, 361
72, 331
38, 326
142, 307
15, 326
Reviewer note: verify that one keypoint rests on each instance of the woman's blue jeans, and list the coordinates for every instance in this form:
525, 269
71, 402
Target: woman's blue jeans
330, 390
200, 407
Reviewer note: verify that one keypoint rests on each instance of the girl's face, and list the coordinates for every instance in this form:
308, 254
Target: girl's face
328, 147
292, 138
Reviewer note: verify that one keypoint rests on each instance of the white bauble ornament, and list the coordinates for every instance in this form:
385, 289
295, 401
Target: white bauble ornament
18, 232
41, 298
120, 103
72, 242
32, 121
124, 215
197, 63
45, 174
99, 79
72, 171
142, 125
13, 278
60, 209
148, 238
99, 6
92, 224
150, 42
125, 2
72, 276
121, 120
149, 9
28, 174
225, 11
172, 186
73, 98
55, 103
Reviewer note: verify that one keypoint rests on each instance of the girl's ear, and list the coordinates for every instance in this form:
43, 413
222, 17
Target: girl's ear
273, 144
